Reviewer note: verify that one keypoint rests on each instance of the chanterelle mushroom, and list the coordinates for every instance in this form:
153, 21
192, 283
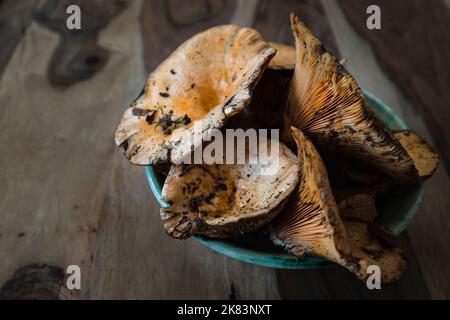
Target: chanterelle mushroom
326, 103
223, 200
310, 223
208, 78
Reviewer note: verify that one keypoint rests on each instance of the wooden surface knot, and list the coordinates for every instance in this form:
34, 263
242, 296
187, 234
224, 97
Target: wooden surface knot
78, 55
35, 282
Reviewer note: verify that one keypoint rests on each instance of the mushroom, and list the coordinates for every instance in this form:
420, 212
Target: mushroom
367, 250
424, 157
326, 103
310, 223
208, 79
266, 109
224, 200
360, 207
284, 58
270, 94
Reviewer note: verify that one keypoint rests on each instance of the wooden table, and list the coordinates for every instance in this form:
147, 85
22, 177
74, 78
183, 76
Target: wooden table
68, 197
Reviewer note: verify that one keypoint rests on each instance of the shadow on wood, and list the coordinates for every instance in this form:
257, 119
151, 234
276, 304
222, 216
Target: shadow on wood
336, 282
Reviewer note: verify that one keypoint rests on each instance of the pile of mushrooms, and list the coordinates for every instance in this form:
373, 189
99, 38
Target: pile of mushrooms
335, 157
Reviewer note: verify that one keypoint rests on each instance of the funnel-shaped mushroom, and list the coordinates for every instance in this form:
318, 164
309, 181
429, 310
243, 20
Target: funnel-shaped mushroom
424, 157
207, 79
310, 223
326, 103
223, 200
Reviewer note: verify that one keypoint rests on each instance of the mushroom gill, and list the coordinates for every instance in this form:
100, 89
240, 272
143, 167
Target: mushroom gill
310, 223
326, 103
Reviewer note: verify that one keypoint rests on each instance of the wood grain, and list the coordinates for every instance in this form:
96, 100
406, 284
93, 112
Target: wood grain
414, 35
167, 24
334, 282
331, 282
78, 56
428, 230
59, 152
67, 195
272, 20
36, 282
15, 16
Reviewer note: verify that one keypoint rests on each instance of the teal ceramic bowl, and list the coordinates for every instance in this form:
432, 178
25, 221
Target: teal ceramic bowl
395, 213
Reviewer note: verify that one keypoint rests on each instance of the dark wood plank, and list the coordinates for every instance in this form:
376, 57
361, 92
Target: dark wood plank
167, 24
413, 48
78, 55
428, 231
272, 21
67, 196
15, 16
58, 151
333, 282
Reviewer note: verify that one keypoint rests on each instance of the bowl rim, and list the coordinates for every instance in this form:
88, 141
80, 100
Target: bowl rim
285, 260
